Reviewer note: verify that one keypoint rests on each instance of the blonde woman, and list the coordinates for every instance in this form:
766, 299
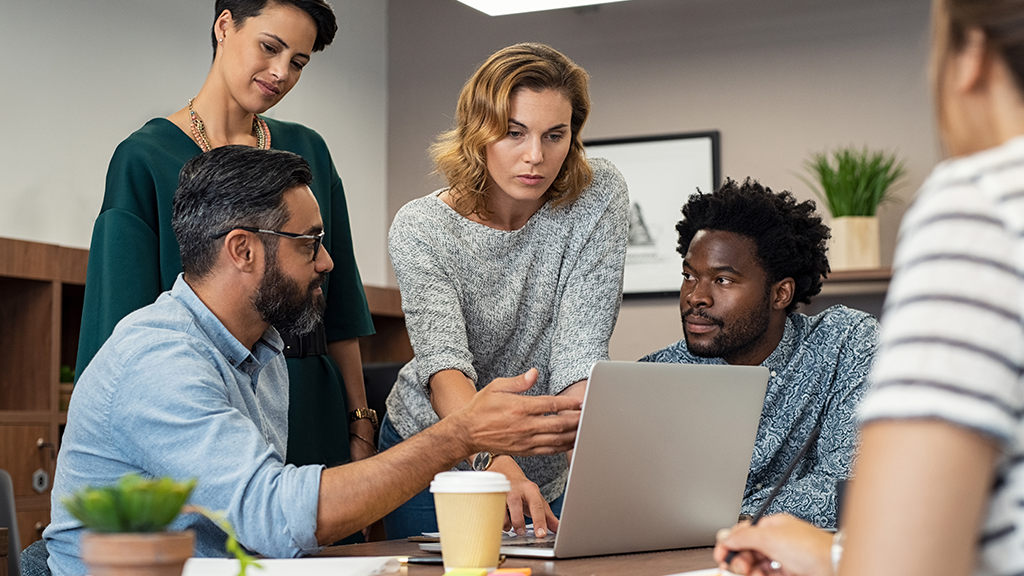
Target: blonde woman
516, 266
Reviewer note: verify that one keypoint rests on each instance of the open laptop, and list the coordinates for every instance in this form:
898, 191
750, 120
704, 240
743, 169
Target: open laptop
661, 459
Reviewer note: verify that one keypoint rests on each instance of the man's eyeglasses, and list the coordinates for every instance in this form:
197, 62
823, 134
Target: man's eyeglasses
318, 239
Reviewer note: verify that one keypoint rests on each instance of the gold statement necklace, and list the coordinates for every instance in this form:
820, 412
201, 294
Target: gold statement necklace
259, 127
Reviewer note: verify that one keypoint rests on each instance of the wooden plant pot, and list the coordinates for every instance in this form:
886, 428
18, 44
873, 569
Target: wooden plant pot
155, 554
854, 243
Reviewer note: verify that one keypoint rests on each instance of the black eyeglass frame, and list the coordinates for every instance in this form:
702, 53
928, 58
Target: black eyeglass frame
318, 239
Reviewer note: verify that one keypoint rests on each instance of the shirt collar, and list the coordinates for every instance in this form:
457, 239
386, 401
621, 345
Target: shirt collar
783, 353
269, 345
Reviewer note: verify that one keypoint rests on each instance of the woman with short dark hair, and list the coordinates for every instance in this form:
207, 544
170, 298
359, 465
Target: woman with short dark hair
260, 50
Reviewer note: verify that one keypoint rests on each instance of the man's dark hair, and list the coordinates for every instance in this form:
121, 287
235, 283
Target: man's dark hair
319, 10
790, 237
229, 187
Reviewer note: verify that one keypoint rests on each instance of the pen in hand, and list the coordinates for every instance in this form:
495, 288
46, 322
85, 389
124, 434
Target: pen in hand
778, 485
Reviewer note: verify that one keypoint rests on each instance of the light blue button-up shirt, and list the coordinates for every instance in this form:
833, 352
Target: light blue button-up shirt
818, 374
173, 393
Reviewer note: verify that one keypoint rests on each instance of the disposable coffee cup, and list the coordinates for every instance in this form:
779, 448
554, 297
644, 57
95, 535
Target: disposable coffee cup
470, 515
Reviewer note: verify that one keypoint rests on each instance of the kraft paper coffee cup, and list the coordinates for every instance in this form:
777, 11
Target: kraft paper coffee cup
470, 515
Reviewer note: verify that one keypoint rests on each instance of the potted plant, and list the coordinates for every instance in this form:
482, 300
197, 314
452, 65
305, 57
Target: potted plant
127, 525
853, 183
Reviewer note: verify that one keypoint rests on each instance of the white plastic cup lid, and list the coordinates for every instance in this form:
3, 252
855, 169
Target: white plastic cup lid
467, 482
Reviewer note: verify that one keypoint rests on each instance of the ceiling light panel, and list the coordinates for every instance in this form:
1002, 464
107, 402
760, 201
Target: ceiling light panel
503, 7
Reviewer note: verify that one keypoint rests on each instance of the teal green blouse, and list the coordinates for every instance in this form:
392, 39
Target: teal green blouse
134, 257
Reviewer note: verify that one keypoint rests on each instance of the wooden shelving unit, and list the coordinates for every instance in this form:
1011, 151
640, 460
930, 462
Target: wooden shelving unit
873, 281
861, 289
3, 551
41, 292
391, 342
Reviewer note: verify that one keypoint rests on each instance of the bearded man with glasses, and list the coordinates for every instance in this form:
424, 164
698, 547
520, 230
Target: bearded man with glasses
195, 384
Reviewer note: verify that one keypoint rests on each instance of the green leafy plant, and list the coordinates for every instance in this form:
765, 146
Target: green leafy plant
853, 182
133, 504
137, 504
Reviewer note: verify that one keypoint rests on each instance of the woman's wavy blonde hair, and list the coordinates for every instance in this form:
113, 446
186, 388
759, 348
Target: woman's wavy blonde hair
482, 116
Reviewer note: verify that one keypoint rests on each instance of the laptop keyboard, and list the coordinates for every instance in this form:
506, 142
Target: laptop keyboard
529, 541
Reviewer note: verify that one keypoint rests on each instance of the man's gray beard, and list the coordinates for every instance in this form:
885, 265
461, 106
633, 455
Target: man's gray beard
281, 303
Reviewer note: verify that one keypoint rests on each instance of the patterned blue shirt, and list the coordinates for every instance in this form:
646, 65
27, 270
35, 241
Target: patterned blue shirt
173, 393
819, 372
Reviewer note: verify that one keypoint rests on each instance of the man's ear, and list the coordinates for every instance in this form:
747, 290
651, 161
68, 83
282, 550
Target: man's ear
242, 250
782, 293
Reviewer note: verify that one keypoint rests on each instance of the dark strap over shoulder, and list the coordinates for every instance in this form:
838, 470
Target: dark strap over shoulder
312, 344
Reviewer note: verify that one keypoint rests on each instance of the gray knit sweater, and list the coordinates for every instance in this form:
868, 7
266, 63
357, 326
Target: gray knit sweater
494, 304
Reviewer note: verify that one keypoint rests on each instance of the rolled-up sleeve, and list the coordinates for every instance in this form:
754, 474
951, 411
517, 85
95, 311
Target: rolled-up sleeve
191, 420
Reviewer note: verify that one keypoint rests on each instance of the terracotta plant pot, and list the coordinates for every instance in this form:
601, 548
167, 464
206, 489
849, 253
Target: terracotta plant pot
155, 554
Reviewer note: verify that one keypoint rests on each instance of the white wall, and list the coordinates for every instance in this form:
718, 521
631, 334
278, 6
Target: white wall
80, 75
778, 78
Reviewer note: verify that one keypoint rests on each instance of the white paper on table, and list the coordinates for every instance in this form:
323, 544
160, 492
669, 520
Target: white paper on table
355, 566
708, 572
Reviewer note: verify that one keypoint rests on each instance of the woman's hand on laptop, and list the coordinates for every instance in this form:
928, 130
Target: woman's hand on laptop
524, 499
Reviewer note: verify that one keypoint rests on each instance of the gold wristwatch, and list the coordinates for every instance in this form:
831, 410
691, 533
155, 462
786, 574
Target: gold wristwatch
368, 413
482, 461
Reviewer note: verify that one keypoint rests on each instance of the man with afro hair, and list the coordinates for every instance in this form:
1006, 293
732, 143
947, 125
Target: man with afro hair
750, 258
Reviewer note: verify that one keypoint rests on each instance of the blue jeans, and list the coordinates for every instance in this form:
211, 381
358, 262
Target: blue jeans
417, 515
33, 560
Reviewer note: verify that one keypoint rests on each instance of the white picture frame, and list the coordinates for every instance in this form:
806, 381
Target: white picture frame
661, 173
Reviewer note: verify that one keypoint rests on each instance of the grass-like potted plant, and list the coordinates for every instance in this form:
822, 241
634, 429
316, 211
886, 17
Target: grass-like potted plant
127, 527
853, 183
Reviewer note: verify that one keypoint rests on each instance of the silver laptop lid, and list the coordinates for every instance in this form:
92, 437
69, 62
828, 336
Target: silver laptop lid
661, 458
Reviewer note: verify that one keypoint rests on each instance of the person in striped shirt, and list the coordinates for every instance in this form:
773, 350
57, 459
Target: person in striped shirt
938, 486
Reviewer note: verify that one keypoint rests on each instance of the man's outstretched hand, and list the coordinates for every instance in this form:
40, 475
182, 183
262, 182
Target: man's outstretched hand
499, 419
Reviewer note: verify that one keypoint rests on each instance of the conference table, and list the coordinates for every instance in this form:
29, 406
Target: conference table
642, 564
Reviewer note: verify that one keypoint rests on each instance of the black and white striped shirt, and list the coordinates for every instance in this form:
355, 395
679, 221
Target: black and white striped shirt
952, 341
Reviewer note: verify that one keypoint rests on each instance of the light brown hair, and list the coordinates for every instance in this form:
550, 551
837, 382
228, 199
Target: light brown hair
482, 116
1002, 23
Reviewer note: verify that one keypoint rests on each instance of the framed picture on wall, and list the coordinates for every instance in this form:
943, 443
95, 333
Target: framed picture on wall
661, 172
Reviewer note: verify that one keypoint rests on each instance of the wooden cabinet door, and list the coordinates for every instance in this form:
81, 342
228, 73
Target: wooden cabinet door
21, 457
